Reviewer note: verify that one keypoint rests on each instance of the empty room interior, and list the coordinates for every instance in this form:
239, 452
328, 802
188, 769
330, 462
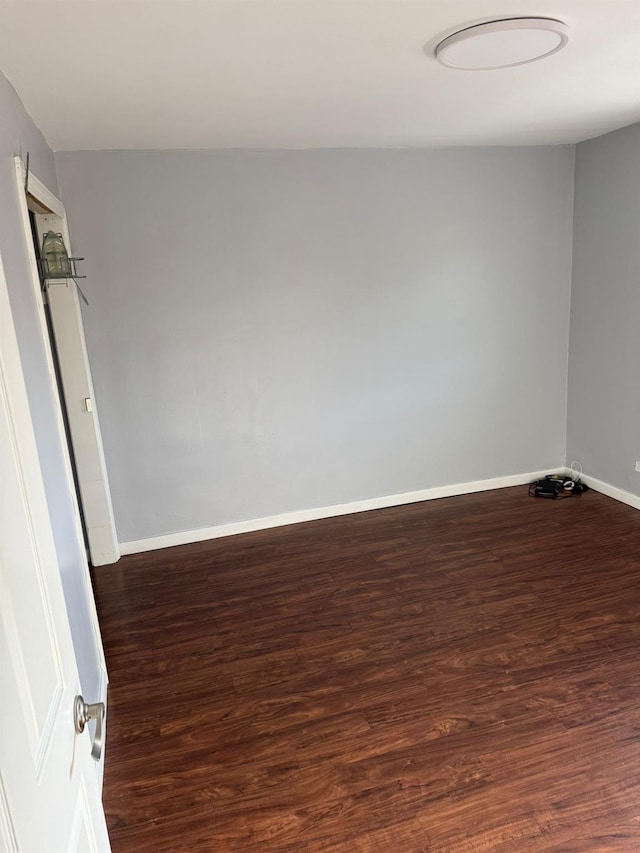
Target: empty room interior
319, 371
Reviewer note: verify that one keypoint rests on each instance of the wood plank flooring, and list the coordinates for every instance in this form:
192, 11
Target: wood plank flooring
457, 676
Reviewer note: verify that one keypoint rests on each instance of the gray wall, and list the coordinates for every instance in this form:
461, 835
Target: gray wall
604, 363
18, 134
273, 331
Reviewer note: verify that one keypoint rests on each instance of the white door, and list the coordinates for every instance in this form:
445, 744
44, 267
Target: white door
49, 795
84, 426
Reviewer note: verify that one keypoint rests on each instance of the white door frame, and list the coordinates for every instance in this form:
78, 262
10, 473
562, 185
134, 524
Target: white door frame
84, 424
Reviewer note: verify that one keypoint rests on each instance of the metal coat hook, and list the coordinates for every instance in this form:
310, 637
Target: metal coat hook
86, 301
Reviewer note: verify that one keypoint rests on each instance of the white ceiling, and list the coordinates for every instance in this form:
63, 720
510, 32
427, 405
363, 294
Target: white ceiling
125, 74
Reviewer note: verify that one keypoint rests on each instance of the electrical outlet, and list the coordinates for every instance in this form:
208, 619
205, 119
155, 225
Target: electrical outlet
638, 465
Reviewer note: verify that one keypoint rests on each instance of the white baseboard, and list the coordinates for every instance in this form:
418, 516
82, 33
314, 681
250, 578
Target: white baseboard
185, 537
612, 491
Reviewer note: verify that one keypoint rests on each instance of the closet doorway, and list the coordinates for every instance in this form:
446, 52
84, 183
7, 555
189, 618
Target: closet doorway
63, 335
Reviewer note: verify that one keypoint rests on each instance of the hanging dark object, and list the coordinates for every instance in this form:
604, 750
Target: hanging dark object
54, 256
54, 261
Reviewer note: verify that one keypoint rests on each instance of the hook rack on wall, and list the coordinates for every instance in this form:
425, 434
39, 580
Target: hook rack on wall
47, 272
46, 276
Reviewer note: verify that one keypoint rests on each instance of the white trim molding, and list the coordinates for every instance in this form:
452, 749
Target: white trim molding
612, 491
185, 537
7, 829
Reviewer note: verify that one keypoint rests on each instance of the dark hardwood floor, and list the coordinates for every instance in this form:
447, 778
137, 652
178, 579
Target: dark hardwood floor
461, 675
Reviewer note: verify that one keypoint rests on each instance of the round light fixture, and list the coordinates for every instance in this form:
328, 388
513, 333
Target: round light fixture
502, 44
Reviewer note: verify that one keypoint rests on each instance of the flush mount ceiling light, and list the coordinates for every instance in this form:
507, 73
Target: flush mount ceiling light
502, 44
